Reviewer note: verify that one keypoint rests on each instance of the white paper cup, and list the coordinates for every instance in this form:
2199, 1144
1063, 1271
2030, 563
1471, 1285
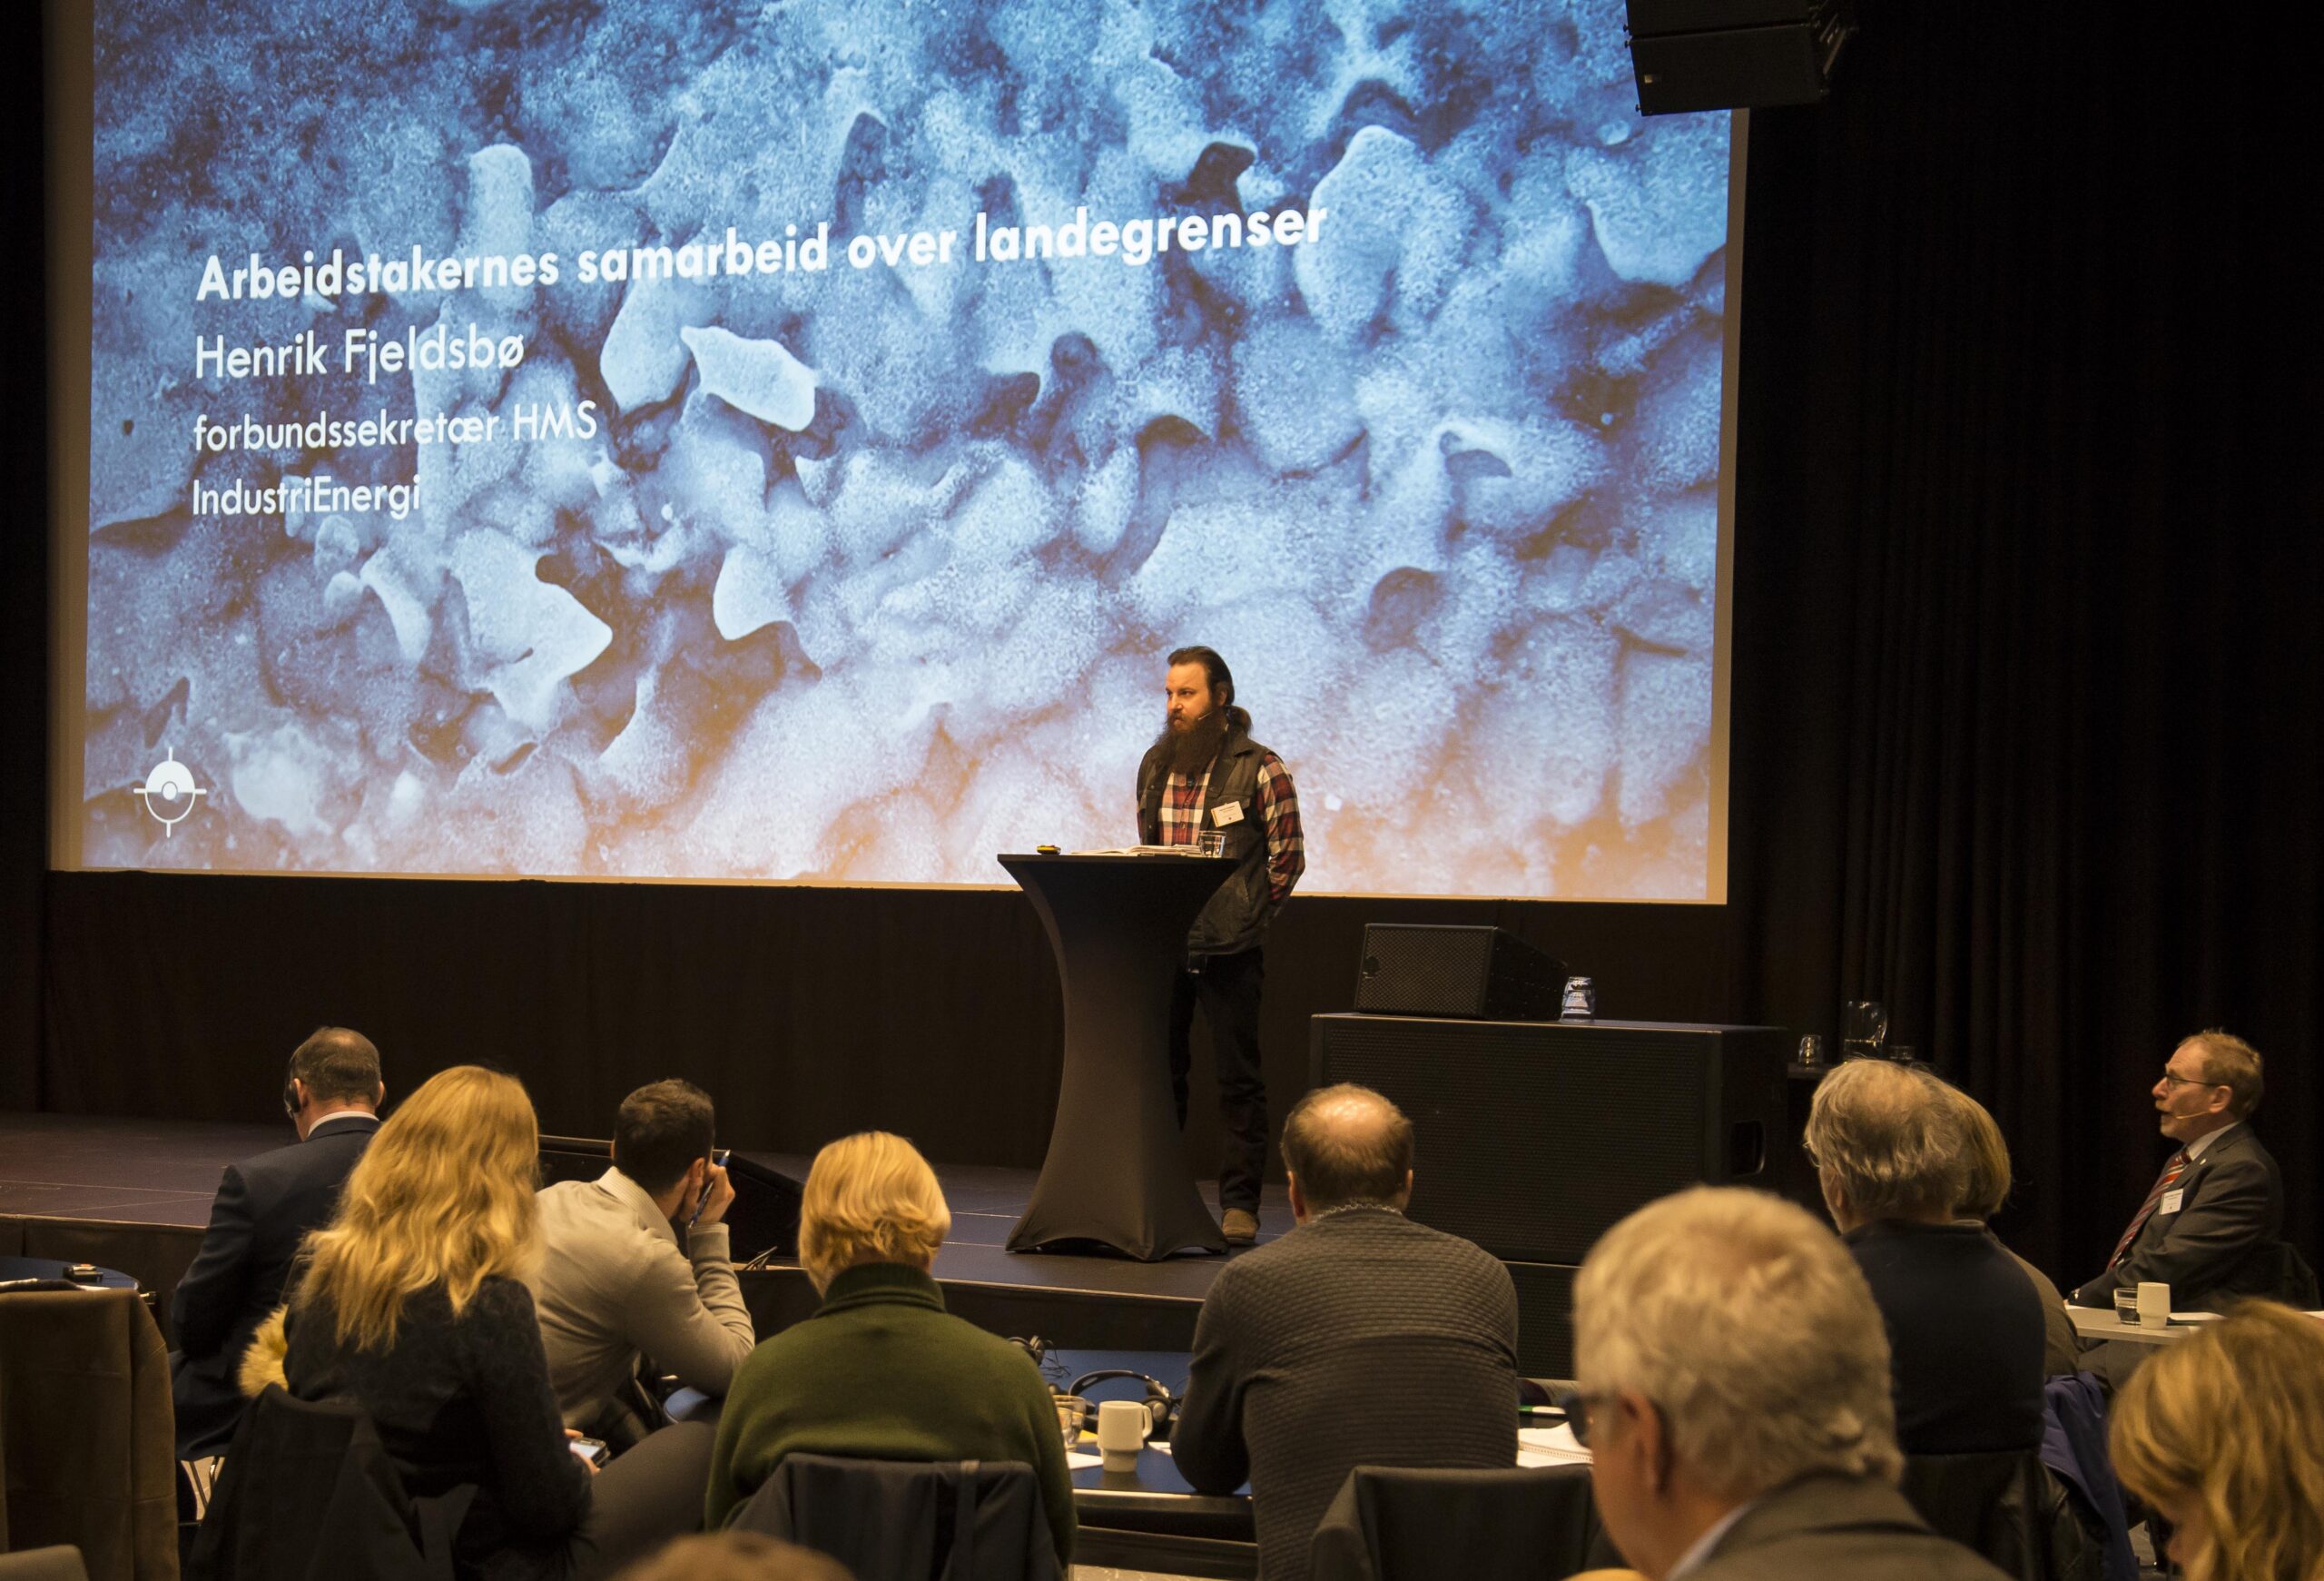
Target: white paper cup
2154, 1305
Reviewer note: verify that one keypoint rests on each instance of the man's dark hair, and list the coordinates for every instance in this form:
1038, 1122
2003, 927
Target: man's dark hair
1347, 1144
662, 1129
337, 1065
1214, 669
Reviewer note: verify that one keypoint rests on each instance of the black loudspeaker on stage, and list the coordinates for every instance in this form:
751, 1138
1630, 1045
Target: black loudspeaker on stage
1535, 1138
763, 1217
1416, 969
1722, 54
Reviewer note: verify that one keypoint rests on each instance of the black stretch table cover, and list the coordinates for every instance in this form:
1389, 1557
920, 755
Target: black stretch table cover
1115, 1171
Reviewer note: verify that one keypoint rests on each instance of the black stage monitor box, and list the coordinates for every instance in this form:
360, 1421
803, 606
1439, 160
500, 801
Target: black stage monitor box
764, 1216
1725, 55
1421, 969
1534, 1138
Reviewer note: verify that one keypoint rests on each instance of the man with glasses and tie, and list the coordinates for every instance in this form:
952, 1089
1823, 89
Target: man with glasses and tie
2209, 1225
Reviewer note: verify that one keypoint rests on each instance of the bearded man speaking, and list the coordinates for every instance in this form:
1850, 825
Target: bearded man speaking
1204, 773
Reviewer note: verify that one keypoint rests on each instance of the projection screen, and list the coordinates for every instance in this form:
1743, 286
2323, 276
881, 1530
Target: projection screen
644, 440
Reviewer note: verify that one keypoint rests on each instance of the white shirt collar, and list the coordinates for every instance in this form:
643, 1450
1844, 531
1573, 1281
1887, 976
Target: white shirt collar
1708, 1543
2195, 1147
333, 1119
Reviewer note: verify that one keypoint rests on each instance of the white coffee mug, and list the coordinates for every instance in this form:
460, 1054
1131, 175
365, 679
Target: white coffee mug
2154, 1305
1122, 1430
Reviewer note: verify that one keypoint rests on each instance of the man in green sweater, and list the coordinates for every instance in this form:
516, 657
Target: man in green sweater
883, 1371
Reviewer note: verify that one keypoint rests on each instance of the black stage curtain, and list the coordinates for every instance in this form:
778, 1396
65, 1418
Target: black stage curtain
2024, 619
2027, 570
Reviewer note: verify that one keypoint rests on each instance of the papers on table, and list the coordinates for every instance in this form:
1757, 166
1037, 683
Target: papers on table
1076, 1459
1549, 1447
1141, 851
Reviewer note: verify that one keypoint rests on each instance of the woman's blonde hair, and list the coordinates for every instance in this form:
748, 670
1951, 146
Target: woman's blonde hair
870, 1198
1985, 1152
442, 1196
2230, 1417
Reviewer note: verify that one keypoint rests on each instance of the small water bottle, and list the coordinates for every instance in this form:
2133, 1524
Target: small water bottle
1580, 999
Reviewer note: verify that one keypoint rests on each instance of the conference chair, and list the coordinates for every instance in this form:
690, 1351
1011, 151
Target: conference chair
308, 1490
86, 1450
909, 1520
2009, 1508
58, 1564
1397, 1524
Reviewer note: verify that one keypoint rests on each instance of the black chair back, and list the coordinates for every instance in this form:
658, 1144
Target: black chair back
306, 1489
2009, 1508
1397, 1524
910, 1520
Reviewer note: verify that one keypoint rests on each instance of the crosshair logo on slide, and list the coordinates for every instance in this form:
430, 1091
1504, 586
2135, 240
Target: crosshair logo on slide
169, 791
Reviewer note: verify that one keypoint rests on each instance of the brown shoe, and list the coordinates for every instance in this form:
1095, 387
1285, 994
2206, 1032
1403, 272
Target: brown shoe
1240, 1227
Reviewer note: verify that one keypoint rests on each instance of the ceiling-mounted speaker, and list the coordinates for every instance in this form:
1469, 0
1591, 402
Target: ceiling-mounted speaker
1727, 54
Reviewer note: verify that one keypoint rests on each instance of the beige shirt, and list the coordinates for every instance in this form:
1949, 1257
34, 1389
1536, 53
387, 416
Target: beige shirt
614, 1283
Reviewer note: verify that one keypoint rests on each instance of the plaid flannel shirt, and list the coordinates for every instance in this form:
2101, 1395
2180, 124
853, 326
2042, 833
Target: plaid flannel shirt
1181, 812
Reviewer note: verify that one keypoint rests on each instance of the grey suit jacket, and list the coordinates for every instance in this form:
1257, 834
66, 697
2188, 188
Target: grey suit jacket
2221, 1242
1838, 1526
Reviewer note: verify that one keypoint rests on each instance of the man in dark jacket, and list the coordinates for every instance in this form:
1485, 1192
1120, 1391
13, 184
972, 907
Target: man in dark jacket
2209, 1225
1358, 1339
1205, 775
264, 1208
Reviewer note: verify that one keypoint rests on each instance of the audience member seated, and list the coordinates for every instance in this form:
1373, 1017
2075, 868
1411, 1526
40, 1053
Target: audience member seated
2223, 1433
613, 1281
412, 1304
1964, 1326
1983, 1192
882, 1372
264, 1209
1735, 1397
1357, 1339
2209, 1225
736, 1556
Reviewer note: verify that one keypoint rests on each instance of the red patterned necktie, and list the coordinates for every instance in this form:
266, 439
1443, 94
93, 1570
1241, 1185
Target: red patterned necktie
2164, 1182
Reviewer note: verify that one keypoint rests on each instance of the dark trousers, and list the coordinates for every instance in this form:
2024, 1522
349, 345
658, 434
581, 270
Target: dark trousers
1227, 988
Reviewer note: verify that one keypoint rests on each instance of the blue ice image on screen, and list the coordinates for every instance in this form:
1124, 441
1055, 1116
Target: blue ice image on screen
865, 574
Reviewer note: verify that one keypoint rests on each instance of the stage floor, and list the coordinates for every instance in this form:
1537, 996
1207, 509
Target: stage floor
73, 1186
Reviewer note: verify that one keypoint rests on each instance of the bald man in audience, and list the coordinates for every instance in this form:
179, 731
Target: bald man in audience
1965, 1324
1734, 1394
1357, 1339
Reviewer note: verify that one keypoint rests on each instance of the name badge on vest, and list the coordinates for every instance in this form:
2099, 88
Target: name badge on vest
1226, 813
2170, 1200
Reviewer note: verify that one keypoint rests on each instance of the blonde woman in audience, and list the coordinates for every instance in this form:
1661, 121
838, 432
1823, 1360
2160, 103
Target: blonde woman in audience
1984, 1191
2223, 1433
413, 1302
882, 1372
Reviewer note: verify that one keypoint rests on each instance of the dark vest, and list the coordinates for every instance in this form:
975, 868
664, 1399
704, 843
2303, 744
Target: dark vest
1236, 917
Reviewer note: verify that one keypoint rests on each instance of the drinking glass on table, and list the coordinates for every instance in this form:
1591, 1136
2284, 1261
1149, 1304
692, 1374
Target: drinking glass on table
1072, 1417
1864, 1027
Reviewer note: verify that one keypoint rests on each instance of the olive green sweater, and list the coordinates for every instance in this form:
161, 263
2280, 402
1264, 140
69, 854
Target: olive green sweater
884, 1373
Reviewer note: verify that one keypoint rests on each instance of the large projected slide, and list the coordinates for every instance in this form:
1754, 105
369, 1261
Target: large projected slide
781, 441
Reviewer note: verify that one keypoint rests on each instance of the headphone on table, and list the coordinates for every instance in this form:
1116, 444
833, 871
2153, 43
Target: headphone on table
1160, 1404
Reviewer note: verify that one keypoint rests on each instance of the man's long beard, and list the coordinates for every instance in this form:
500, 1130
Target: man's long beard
1192, 749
